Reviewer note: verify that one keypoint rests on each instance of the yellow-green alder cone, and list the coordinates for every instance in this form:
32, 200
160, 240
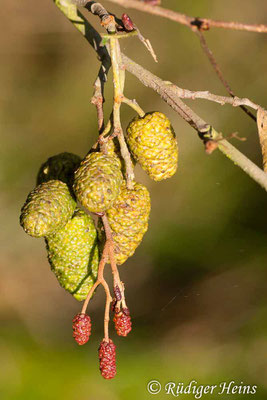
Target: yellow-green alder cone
73, 254
47, 208
128, 219
152, 142
97, 182
60, 167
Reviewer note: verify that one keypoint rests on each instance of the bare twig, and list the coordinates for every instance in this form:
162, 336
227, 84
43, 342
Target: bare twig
134, 105
203, 23
100, 278
109, 239
118, 96
107, 309
110, 243
120, 35
206, 95
98, 101
147, 44
218, 70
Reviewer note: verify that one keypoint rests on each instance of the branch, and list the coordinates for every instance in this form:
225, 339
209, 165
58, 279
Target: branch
203, 23
206, 95
168, 93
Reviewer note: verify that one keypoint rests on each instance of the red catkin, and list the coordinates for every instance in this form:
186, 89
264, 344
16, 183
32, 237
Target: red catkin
107, 359
81, 325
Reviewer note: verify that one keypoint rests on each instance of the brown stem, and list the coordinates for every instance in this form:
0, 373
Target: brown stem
116, 276
98, 101
110, 244
107, 309
100, 278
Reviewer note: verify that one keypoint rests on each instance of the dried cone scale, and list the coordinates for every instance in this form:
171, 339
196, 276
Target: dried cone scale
73, 254
97, 182
47, 209
128, 219
152, 142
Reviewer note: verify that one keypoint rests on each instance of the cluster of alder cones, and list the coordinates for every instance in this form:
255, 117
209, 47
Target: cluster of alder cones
68, 188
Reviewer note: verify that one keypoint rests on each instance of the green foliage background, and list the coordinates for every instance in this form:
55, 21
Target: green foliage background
196, 287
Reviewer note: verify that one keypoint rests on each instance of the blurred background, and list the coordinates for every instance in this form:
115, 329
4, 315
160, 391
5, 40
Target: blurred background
196, 286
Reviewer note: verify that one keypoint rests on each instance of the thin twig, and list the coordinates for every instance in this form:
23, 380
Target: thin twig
183, 19
218, 70
100, 278
206, 95
110, 243
147, 44
118, 96
98, 101
120, 35
107, 309
134, 105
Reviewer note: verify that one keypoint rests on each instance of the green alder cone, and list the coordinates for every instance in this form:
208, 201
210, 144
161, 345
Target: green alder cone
128, 219
73, 254
152, 142
48, 208
59, 167
97, 182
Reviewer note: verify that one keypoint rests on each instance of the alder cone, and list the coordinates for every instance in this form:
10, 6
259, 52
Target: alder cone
73, 255
47, 209
81, 325
60, 167
107, 359
128, 219
123, 324
97, 181
152, 142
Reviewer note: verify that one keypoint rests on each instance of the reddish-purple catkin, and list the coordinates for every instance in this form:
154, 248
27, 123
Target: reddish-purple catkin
107, 359
123, 324
81, 325
127, 22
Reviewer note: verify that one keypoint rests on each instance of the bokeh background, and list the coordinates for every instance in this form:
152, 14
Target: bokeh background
197, 286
